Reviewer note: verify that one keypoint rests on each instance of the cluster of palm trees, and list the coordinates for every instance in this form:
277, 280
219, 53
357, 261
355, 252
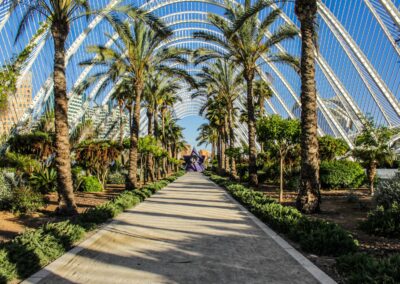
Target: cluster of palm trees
145, 74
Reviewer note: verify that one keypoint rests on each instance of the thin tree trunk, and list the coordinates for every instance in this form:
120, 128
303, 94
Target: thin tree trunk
133, 151
62, 159
232, 144
121, 124
308, 200
281, 178
371, 172
150, 131
251, 124
219, 154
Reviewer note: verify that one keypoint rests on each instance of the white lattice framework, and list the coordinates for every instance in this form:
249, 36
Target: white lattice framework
357, 65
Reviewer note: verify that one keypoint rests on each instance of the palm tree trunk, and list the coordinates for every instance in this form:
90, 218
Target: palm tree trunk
121, 124
149, 161
251, 124
281, 178
133, 151
62, 160
371, 172
308, 200
232, 144
219, 154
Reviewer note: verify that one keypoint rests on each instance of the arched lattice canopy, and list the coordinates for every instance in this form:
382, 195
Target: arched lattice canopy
357, 64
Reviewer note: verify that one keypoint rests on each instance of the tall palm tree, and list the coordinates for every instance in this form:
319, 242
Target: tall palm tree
133, 55
245, 44
221, 80
59, 14
309, 197
122, 92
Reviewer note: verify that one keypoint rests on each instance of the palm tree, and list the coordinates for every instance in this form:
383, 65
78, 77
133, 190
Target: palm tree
309, 198
222, 81
157, 87
245, 44
59, 14
133, 56
373, 148
208, 135
122, 92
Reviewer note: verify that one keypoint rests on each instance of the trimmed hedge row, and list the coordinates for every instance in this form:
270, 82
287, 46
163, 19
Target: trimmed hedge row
314, 236
30, 251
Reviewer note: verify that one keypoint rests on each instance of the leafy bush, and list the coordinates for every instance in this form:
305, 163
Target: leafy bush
388, 192
26, 200
66, 232
7, 268
341, 174
323, 238
5, 192
362, 268
91, 184
116, 178
383, 222
44, 181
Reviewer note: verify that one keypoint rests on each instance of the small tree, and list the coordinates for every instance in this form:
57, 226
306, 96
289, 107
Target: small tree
281, 135
331, 147
373, 149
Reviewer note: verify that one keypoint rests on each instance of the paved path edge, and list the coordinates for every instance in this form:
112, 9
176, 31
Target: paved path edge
314, 270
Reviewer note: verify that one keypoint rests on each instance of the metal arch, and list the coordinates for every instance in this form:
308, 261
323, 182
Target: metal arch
392, 11
383, 26
330, 18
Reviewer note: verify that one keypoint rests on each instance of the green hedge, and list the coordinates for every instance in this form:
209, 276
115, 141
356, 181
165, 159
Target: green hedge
341, 174
314, 236
383, 222
362, 268
91, 184
33, 249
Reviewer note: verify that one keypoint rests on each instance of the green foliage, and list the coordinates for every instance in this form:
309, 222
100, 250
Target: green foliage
383, 222
6, 194
372, 144
26, 200
362, 268
91, 184
7, 268
38, 144
314, 236
341, 174
44, 181
323, 238
22, 163
116, 178
331, 148
388, 192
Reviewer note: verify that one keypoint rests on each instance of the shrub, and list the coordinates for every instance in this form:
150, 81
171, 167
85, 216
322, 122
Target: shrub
362, 268
91, 184
383, 222
116, 178
7, 268
5, 193
341, 174
65, 232
44, 181
323, 238
26, 200
388, 192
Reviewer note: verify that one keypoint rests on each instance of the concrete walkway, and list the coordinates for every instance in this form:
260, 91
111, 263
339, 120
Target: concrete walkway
190, 232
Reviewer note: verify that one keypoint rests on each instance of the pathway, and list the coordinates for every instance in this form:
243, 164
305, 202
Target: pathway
190, 232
